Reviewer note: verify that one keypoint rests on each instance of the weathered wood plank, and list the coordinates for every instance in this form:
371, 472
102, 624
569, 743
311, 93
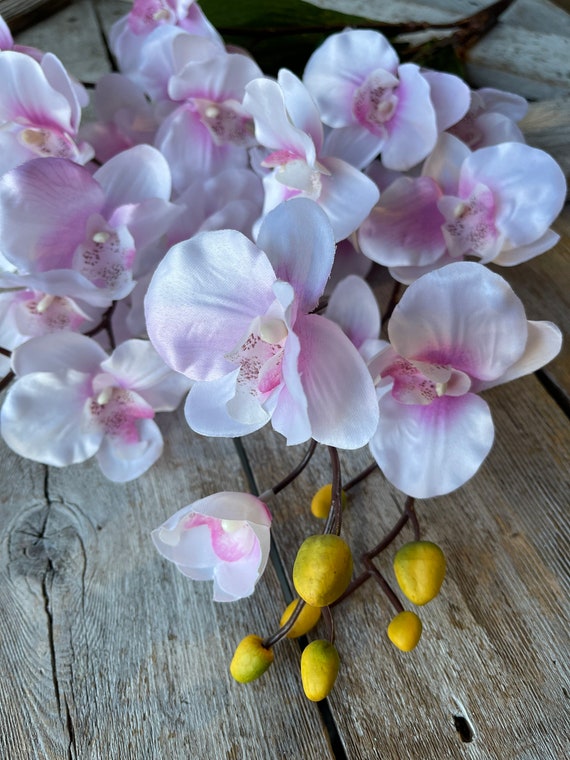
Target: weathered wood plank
111, 653
543, 286
73, 34
492, 651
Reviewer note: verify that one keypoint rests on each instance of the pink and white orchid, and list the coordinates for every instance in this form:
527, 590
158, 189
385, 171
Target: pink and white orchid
209, 130
142, 40
72, 401
287, 122
224, 537
90, 234
40, 111
235, 318
455, 332
496, 203
377, 105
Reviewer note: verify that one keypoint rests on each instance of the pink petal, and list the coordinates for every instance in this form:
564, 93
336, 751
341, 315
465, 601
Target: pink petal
340, 65
427, 451
412, 131
298, 240
478, 325
203, 297
528, 184
341, 400
44, 208
404, 229
353, 307
450, 97
121, 462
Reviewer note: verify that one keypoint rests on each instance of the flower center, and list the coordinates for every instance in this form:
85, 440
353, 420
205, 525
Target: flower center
470, 224
227, 122
48, 142
418, 382
259, 356
374, 102
116, 410
293, 171
106, 256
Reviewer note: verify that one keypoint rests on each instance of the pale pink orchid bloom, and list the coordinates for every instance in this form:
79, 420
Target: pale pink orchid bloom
230, 200
495, 203
455, 332
491, 119
287, 122
377, 105
26, 314
235, 318
224, 537
124, 117
90, 233
142, 40
71, 401
209, 130
40, 111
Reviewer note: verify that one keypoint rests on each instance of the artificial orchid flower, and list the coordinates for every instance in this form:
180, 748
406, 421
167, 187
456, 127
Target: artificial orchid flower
141, 41
40, 111
26, 314
209, 130
223, 537
235, 318
230, 200
377, 105
455, 332
124, 117
287, 122
89, 233
491, 119
495, 203
72, 401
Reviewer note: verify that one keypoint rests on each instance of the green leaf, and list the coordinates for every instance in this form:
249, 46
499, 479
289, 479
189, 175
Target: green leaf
280, 33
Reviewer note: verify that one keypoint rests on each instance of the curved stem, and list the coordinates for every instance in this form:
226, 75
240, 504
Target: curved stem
334, 520
297, 470
6, 380
284, 630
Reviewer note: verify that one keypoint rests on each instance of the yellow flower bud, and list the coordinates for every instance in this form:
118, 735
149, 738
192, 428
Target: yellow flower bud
319, 669
405, 630
420, 569
251, 659
321, 503
322, 569
307, 619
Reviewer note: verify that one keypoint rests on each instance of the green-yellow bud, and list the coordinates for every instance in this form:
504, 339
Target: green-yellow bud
420, 569
322, 500
319, 669
322, 569
251, 659
405, 630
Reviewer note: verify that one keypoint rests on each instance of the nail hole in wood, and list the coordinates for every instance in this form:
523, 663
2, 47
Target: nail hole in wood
463, 728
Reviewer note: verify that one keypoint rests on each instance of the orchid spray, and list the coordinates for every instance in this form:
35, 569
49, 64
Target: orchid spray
207, 238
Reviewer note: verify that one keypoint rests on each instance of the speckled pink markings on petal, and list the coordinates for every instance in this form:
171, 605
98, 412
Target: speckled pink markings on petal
44, 141
226, 121
116, 410
106, 256
260, 355
470, 224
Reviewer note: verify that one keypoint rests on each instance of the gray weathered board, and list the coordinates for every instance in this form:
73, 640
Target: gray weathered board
108, 653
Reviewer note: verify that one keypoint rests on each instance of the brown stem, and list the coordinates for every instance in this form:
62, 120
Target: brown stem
270, 641
328, 618
334, 519
6, 380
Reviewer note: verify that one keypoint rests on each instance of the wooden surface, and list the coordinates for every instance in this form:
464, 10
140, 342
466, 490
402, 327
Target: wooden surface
107, 652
